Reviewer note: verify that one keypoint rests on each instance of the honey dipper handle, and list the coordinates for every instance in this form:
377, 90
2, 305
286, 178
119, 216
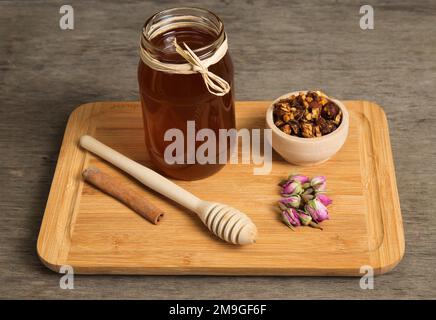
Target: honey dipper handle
145, 175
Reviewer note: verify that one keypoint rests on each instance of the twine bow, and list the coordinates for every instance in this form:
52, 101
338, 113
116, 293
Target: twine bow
214, 84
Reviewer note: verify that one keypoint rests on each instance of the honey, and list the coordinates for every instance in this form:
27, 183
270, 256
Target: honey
170, 100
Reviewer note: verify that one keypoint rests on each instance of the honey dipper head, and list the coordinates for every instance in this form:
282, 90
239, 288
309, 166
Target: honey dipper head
248, 234
229, 224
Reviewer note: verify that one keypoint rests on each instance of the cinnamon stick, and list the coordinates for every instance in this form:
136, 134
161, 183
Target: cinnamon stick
126, 195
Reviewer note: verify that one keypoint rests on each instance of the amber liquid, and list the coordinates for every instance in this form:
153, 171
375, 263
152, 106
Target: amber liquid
171, 100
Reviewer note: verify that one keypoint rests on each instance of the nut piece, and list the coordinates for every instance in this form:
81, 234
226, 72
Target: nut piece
307, 115
286, 129
307, 130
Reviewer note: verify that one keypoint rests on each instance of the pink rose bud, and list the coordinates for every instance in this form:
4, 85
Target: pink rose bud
283, 182
290, 217
300, 178
304, 218
307, 197
321, 187
291, 188
325, 200
292, 201
317, 181
317, 210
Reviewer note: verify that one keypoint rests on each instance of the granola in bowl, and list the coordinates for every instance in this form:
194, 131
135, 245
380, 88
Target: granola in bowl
307, 115
307, 127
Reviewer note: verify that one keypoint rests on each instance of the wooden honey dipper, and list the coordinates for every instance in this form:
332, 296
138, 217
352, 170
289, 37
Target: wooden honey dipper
224, 221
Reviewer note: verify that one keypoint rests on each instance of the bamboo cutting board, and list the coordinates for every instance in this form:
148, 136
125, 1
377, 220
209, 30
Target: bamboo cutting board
96, 234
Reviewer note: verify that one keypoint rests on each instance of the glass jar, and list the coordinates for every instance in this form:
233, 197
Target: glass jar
169, 100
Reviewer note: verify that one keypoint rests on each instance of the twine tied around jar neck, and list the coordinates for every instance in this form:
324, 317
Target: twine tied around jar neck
214, 84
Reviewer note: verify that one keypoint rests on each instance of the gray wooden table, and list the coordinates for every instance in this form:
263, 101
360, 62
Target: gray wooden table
276, 46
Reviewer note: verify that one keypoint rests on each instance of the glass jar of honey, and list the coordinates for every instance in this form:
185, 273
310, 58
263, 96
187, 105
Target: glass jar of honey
185, 74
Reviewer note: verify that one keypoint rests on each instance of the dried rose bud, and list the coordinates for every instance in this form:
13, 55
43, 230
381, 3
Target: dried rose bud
321, 187
315, 225
292, 201
283, 182
291, 187
307, 197
282, 206
325, 200
300, 178
317, 181
308, 191
305, 218
317, 210
306, 185
290, 217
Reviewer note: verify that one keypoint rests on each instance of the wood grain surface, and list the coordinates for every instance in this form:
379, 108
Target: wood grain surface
86, 229
276, 46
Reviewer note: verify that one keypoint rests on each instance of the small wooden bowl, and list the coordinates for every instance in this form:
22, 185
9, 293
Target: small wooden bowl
307, 151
